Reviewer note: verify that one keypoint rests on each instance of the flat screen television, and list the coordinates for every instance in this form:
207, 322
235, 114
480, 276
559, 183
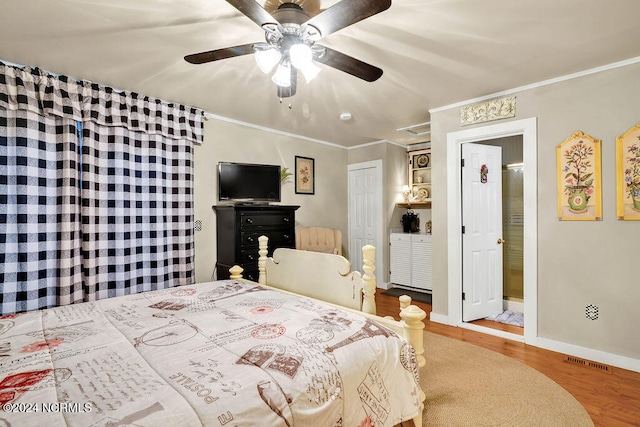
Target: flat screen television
248, 183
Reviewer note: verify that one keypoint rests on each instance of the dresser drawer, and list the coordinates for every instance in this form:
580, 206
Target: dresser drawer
248, 257
250, 274
276, 238
262, 219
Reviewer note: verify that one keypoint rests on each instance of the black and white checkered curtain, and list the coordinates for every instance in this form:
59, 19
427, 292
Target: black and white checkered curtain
137, 210
105, 212
39, 212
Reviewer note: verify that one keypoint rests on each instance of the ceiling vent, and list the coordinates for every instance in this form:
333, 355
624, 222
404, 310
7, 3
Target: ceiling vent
417, 130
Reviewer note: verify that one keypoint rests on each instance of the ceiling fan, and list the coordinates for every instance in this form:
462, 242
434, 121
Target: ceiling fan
291, 36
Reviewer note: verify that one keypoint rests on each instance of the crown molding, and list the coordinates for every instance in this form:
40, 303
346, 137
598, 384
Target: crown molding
507, 92
271, 130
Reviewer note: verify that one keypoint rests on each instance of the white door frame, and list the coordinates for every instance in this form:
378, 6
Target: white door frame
377, 164
528, 129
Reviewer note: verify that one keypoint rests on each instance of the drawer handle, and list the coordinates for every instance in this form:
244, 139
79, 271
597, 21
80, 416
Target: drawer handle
250, 239
250, 258
249, 221
286, 236
286, 219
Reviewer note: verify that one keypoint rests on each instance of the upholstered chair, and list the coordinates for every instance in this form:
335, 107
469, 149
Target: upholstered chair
319, 239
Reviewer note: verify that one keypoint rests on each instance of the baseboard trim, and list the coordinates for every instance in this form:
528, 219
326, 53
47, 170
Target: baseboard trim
611, 359
384, 285
439, 318
494, 332
589, 354
513, 306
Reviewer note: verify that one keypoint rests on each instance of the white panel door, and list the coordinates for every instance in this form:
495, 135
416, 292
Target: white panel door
362, 214
482, 238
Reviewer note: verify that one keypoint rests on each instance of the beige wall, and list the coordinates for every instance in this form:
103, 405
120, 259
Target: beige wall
226, 141
579, 262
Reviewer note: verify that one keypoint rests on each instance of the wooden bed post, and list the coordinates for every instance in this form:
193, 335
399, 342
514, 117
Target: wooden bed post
412, 317
369, 288
263, 241
235, 272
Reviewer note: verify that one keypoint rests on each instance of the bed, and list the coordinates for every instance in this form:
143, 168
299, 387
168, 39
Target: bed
230, 352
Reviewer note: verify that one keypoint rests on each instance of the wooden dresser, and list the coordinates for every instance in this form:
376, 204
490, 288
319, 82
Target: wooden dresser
238, 228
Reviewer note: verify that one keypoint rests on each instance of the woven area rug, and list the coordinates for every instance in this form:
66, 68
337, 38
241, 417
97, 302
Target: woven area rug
467, 385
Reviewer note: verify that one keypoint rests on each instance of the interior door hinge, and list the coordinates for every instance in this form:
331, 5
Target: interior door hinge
461, 162
463, 296
463, 229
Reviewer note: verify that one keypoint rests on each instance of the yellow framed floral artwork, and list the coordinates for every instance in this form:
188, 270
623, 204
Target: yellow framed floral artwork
628, 174
579, 178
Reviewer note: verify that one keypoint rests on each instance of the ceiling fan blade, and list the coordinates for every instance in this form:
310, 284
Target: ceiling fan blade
215, 55
349, 65
252, 10
345, 13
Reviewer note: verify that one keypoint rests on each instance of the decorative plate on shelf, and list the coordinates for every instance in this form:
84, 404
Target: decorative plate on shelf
423, 161
423, 194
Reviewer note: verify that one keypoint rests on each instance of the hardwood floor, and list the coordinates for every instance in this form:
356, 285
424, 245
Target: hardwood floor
612, 398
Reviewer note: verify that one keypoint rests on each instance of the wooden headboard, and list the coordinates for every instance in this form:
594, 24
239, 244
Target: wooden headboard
327, 277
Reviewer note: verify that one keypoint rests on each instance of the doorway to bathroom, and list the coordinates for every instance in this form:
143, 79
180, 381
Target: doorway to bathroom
508, 313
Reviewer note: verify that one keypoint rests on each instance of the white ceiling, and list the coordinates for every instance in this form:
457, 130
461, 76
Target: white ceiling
433, 53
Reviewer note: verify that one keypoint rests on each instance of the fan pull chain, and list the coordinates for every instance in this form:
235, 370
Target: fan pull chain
290, 105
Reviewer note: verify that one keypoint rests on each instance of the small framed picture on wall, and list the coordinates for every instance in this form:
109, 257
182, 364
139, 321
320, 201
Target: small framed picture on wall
305, 175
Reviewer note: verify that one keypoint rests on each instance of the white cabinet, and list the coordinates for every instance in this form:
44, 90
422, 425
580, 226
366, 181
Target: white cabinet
400, 258
410, 260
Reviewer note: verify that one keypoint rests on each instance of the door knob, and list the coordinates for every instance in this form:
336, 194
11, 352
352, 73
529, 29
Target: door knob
500, 241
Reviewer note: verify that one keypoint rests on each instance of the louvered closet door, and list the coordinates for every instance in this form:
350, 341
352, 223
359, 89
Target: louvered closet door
400, 259
421, 261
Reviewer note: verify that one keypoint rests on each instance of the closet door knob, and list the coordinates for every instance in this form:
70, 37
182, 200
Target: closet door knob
500, 241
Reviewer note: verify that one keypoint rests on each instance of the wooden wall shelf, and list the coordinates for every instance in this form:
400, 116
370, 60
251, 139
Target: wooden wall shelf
414, 205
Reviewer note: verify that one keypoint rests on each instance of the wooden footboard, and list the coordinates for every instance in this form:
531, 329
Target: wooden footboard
328, 278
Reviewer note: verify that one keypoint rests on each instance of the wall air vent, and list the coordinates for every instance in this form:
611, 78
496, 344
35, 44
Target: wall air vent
588, 364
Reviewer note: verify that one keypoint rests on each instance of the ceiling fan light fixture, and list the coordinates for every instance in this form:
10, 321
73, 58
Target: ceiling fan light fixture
290, 35
310, 71
300, 55
267, 59
282, 76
